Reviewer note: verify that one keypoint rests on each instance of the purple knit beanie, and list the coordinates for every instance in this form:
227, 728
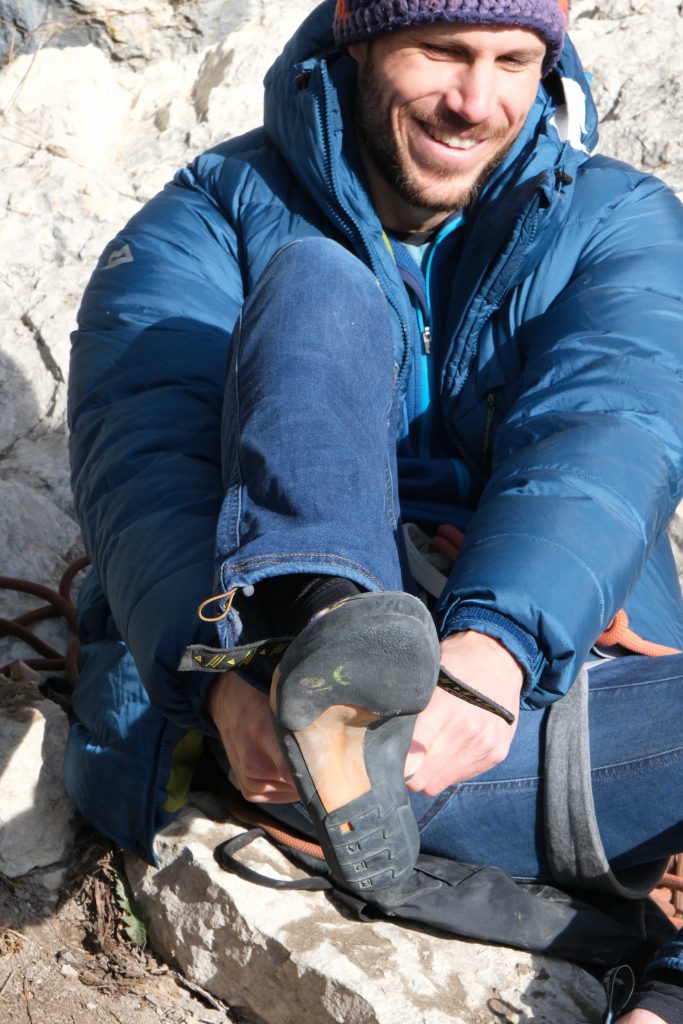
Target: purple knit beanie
356, 20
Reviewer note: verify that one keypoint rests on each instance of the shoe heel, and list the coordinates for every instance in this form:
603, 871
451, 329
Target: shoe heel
345, 697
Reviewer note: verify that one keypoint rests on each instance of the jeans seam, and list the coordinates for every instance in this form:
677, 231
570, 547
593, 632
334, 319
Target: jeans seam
238, 446
530, 782
233, 484
640, 682
437, 807
634, 767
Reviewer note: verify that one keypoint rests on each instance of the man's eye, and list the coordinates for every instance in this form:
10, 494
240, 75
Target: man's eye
517, 60
441, 51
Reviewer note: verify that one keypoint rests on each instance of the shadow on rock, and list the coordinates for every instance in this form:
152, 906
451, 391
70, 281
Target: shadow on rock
37, 539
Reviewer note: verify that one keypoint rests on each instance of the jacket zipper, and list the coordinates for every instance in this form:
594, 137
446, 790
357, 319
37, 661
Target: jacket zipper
429, 368
478, 325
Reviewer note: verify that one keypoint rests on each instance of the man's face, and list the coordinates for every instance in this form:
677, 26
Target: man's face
438, 107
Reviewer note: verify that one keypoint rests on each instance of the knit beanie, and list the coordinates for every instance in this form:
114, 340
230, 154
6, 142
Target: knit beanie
356, 20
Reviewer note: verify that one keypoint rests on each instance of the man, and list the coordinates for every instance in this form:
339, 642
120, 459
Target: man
437, 308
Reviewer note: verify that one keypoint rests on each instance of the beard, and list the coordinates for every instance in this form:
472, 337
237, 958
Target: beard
374, 126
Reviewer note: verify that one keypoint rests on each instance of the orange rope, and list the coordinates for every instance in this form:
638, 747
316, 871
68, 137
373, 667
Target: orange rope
448, 541
618, 632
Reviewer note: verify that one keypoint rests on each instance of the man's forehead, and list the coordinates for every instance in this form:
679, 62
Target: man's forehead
495, 37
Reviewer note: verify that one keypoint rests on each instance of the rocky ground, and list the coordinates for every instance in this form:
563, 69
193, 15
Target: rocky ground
98, 106
65, 957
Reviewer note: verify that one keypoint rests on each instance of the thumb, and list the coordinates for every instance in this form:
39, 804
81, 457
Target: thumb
414, 760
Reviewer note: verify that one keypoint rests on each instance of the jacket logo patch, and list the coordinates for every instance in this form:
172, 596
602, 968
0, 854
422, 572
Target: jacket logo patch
119, 256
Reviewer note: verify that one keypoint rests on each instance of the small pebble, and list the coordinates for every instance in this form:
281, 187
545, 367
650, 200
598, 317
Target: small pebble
68, 971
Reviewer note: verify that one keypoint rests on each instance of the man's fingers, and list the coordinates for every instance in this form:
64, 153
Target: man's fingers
244, 720
263, 763
453, 742
414, 762
264, 793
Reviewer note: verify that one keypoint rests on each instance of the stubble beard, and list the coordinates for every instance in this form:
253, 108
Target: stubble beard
373, 124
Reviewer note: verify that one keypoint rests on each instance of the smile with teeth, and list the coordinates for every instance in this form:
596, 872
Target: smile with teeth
449, 139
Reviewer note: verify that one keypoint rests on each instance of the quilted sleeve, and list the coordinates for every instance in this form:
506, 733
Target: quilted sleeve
588, 460
145, 396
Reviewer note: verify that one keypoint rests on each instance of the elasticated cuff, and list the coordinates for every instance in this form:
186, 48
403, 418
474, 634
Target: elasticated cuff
520, 644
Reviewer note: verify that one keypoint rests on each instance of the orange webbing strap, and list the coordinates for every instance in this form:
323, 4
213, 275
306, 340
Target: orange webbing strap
618, 632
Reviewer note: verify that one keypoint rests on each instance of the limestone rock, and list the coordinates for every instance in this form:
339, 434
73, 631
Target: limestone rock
37, 821
250, 945
633, 49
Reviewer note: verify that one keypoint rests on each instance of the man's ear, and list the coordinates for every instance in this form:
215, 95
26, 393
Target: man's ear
358, 51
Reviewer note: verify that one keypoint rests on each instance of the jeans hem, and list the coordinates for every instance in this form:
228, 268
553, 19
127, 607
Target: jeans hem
248, 571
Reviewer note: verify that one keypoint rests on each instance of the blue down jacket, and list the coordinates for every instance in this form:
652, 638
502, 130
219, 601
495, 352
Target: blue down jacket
564, 305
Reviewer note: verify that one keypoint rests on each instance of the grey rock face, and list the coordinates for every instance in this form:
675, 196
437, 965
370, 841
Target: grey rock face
292, 958
135, 31
26, 25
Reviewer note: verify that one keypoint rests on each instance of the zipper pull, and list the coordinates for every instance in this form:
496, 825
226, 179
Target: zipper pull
427, 339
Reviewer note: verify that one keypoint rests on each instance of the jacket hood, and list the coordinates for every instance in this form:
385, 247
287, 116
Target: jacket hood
563, 118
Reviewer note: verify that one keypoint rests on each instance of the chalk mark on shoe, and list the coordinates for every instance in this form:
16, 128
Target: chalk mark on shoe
338, 678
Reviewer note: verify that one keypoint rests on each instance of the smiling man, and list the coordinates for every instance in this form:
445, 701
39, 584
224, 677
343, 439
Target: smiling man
438, 107
447, 450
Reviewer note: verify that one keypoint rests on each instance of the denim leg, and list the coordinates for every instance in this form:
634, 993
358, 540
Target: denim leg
308, 437
637, 777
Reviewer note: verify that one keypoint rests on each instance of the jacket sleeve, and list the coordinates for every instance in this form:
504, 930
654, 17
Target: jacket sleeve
588, 461
145, 397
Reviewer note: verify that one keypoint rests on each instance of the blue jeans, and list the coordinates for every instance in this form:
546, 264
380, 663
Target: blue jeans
309, 419
310, 475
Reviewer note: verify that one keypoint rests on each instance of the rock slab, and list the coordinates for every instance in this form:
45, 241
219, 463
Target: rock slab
37, 821
290, 957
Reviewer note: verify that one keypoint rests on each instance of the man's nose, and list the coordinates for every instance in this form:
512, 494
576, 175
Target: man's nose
472, 95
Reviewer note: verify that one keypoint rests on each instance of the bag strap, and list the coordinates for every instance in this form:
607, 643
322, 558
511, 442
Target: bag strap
225, 857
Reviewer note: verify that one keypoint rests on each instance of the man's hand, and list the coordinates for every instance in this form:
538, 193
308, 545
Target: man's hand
245, 723
453, 740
